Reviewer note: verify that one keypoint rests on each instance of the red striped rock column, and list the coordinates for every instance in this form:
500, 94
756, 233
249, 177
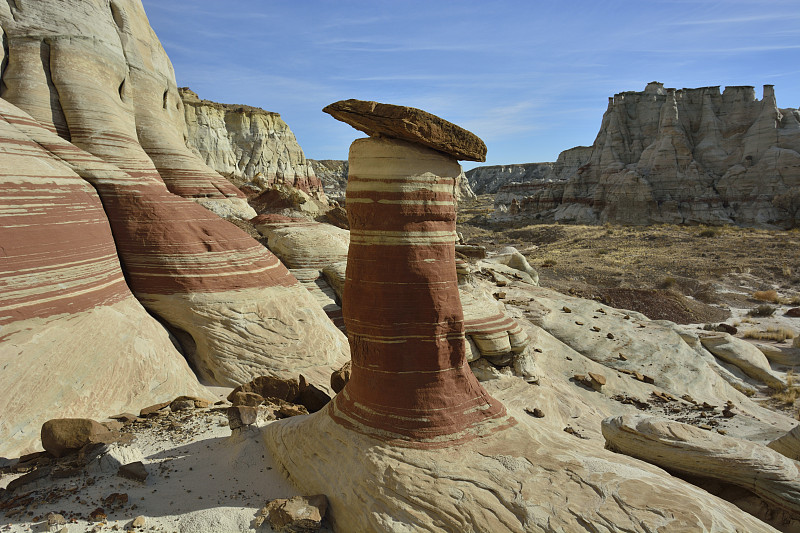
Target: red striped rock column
410, 381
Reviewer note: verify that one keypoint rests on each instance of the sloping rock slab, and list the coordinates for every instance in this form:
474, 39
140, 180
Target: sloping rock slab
693, 451
788, 445
519, 479
409, 124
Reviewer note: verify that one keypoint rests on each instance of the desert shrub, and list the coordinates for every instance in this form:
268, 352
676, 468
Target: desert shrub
770, 334
548, 263
668, 282
762, 310
706, 233
766, 296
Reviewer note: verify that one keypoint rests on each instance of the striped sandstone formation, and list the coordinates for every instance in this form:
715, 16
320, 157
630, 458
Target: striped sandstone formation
74, 342
236, 310
413, 442
95, 72
410, 381
307, 247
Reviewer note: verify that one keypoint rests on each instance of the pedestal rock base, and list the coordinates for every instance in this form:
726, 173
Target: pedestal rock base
517, 479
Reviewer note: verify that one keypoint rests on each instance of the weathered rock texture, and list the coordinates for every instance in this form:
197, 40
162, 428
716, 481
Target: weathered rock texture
73, 339
409, 124
65, 57
333, 175
249, 146
687, 156
307, 248
235, 308
695, 452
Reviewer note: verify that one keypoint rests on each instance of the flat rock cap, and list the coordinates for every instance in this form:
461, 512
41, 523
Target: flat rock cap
409, 124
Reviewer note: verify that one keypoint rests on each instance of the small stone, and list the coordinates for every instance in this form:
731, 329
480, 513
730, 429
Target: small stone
499, 296
292, 410
566, 309
626, 317
595, 328
125, 418
250, 399
139, 521
98, 515
727, 413
241, 415
794, 312
705, 426
722, 431
535, 412
300, 513
135, 471
340, 378
153, 410
597, 380
181, 405
610, 336
578, 323
622, 357
270, 387
55, 519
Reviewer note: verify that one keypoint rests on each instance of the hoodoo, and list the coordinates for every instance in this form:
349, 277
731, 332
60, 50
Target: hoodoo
410, 380
413, 442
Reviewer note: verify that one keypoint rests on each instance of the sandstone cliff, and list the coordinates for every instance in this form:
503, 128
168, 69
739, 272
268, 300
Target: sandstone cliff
487, 180
679, 156
93, 128
249, 146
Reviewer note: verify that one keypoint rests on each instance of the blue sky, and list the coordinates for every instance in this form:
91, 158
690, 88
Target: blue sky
531, 78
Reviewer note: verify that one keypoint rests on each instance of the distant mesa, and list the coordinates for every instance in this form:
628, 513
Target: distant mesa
666, 156
409, 124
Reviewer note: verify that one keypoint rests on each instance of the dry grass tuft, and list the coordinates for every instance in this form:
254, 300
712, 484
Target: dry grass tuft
789, 394
770, 334
767, 296
762, 310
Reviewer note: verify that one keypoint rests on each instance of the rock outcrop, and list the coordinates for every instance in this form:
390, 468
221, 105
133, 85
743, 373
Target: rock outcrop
333, 175
253, 148
236, 310
64, 57
409, 124
684, 156
74, 342
489, 179
696, 452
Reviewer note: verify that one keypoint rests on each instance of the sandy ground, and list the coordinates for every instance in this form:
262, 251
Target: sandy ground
201, 478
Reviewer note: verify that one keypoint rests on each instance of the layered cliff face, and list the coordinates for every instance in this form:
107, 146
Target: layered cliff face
687, 156
249, 146
487, 180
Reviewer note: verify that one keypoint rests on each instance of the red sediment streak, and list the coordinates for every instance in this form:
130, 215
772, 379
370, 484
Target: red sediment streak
410, 382
57, 253
167, 244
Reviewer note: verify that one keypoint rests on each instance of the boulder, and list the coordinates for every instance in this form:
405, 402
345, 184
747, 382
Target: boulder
269, 387
62, 436
409, 124
297, 514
